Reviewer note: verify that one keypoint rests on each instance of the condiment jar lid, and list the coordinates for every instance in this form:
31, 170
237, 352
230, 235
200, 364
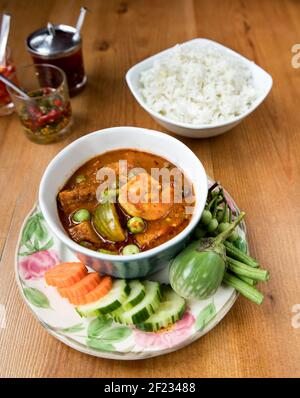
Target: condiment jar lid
47, 44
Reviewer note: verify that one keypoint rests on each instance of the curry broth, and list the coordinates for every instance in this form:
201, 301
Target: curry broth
74, 196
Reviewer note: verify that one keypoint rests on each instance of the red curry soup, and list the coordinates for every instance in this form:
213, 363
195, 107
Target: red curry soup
125, 202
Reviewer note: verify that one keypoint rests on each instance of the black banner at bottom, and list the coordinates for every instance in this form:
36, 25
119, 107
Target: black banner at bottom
133, 387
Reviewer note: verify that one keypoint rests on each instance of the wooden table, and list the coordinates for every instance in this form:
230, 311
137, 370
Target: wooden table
258, 162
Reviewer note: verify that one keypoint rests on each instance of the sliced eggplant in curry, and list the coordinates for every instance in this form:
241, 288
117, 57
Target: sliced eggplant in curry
107, 223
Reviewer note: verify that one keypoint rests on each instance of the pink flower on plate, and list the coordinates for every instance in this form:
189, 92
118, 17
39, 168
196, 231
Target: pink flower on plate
35, 265
168, 337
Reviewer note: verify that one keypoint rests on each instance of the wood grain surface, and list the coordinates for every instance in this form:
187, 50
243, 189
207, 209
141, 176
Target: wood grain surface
258, 162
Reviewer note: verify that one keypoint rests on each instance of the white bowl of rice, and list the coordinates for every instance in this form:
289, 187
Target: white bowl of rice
199, 88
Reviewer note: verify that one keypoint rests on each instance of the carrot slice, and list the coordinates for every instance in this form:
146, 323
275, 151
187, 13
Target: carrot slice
100, 291
65, 274
85, 285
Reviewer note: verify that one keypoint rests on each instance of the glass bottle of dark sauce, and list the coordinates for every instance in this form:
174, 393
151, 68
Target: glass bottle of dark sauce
59, 45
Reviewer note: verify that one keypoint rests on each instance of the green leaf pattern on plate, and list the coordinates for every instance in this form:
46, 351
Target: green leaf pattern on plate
72, 329
98, 326
102, 336
116, 334
36, 297
99, 345
47, 245
35, 236
205, 316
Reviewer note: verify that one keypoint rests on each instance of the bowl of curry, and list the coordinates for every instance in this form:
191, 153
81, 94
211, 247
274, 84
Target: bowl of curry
125, 200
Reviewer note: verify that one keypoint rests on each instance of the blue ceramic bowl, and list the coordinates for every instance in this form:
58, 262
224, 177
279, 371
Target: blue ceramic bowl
77, 153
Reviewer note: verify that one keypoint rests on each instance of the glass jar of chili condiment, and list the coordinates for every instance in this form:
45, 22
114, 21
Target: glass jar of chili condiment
46, 114
61, 46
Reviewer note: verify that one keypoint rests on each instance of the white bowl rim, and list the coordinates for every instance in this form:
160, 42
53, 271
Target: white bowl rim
191, 126
199, 206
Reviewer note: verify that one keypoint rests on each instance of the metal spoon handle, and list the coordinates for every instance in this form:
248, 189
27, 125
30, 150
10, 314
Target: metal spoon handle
4, 37
80, 21
51, 29
12, 85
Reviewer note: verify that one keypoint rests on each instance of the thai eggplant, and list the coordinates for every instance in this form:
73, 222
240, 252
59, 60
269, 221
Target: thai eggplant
243, 271
198, 270
106, 222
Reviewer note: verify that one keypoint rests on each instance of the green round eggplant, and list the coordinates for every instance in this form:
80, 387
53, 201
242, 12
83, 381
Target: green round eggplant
196, 273
198, 270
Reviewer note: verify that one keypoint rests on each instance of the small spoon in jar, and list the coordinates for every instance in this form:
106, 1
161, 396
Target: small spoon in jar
16, 88
5, 25
30, 100
51, 31
79, 23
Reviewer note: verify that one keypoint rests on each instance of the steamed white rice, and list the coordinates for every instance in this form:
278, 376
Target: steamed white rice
198, 85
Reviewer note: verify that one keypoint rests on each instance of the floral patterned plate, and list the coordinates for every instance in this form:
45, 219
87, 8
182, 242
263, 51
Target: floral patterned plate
38, 250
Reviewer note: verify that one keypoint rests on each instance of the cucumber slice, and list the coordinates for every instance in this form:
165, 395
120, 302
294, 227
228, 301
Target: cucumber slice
113, 300
170, 310
145, 308
137, 293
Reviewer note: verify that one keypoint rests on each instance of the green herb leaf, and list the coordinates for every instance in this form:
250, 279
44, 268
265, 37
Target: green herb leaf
98, 345
36, 297
205, 316
73, 329
98, 326
116, 334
